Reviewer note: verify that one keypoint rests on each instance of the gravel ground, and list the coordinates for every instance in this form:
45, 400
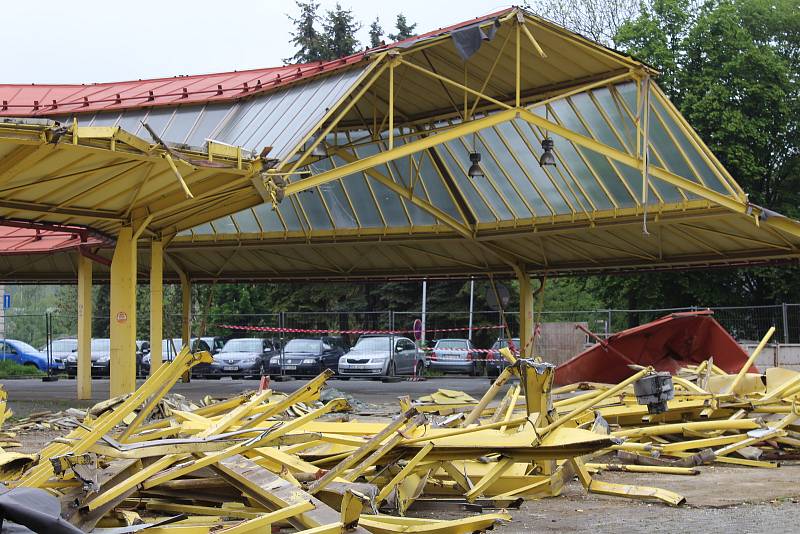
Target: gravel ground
719, 500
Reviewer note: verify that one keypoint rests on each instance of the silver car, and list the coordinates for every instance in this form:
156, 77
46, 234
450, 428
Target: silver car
455, 356
381, 356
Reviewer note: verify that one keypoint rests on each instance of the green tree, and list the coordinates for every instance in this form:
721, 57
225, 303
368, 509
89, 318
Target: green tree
733, 69
657, 36
309, 43
340, 27
375, 33
404, 29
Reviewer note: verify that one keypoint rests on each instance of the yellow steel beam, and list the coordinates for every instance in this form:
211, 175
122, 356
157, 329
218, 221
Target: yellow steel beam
123, 315
399, 152
404, 472
156, 303
84, 356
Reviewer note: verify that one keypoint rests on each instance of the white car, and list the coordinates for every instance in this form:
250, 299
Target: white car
381, 357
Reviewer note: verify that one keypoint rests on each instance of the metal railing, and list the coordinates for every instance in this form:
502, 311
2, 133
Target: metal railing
557, 338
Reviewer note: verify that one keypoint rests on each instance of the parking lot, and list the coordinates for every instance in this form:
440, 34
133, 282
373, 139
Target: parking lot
28, 395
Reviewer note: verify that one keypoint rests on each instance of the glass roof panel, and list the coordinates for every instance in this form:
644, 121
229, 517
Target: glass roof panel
499, 178
530, 162
268, 218
597, 125
246, 222
183, 121
475, 202
514, 172
313, 208
290, 214
483, 185
621, 121
212, 116
436, 189
355, 186
224, 225
698, 162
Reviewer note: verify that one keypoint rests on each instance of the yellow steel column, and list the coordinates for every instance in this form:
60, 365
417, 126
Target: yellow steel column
186, 310
156, 303
123, 314
84, 356
525, 312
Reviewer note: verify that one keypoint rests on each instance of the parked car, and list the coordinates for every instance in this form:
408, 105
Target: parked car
496, 362
171, 347
62, 350
101, 357
381, 356
308, 356
23, 354
242, 357
455, 356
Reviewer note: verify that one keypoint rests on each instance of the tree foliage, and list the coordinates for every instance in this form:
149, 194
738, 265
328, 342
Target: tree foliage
404, 29
375, 33
325, 36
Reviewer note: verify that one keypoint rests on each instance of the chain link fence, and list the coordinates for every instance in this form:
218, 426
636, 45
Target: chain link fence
560, 334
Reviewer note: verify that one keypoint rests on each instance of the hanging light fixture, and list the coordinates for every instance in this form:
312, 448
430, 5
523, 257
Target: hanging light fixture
547, 157
475, 170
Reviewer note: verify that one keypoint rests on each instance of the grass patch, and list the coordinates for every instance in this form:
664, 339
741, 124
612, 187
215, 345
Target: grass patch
10, 369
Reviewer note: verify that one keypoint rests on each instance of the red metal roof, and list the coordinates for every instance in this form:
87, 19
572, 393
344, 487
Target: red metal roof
667, 344
35, 100
30, 238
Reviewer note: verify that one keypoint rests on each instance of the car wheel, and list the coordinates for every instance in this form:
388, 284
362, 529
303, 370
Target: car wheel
391, 371
419, 369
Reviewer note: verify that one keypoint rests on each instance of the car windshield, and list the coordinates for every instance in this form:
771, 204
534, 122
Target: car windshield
302, 345
101, 344
64, 345
24, 347
451, 344
243, 345
374, 343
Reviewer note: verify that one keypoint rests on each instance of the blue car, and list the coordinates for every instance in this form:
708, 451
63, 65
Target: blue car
23, 354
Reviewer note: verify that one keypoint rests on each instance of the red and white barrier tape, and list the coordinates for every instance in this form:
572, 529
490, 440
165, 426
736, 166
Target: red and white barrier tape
278, 329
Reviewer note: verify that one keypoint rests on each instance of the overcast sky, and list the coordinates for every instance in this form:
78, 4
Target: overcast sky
48, 41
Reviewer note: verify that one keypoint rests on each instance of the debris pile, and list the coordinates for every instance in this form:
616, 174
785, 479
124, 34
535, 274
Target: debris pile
265, 460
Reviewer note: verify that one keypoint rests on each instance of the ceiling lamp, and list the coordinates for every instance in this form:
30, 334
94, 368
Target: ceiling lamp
547, 157
475, 170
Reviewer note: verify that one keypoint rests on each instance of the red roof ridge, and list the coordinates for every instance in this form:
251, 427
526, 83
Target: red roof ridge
23, 100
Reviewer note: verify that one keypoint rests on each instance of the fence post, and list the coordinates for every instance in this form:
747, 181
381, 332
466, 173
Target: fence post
282, 326
785, 313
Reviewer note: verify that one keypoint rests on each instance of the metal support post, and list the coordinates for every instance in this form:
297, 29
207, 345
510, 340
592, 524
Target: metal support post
123, 314
84, 356
156, 304
186, 317
471, 305
785, 314
424, 308
525, 312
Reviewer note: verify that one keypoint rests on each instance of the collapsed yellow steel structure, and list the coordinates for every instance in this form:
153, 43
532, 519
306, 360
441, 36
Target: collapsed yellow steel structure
633, 187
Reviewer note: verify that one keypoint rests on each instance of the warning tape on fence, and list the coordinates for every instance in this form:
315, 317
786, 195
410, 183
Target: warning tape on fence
278, 329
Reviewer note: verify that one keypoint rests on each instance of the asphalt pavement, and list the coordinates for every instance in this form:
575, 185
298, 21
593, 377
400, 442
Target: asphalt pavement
64, 390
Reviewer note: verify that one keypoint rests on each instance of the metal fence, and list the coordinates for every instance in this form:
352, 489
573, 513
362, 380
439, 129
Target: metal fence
557, 336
